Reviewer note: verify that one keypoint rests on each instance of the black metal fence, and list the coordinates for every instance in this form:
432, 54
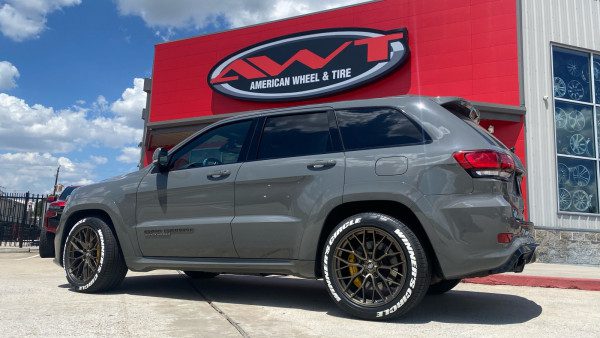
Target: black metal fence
21, 218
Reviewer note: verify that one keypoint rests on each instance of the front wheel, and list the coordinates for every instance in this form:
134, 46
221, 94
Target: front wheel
92, 258
375, 267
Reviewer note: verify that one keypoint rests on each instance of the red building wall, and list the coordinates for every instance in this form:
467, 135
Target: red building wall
462, 48
465, 48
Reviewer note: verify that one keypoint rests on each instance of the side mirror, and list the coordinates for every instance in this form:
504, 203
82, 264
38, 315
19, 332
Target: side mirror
160, 158
51, 198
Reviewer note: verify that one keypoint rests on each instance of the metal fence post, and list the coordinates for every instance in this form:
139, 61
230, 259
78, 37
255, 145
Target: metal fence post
23, 220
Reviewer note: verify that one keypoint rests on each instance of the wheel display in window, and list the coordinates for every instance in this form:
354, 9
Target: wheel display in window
561, 118
563, 174
596, 71
579, 144
581, 200
576, 121
560, 87
564, 199
575, 90
581, 175
585, 76
573, 68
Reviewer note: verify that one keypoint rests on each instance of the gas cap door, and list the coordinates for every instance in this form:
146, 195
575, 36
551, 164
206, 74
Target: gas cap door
391, 166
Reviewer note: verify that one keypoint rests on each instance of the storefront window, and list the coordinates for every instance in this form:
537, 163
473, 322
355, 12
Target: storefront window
577, 122
571, 75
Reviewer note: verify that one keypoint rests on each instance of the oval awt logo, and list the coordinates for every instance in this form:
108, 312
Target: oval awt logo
311, 64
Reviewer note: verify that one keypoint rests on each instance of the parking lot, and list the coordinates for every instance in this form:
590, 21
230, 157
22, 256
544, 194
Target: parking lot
35, 300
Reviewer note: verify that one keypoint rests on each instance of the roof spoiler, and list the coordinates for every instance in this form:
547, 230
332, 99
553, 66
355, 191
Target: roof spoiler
459, 106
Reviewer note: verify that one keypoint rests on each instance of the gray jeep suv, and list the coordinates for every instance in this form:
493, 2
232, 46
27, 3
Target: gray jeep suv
385, 199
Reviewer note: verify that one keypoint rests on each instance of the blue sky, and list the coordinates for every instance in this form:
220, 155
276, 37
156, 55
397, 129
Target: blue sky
70, 78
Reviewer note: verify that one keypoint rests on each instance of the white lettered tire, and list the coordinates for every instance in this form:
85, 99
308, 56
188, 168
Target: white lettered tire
92, 259
374, 267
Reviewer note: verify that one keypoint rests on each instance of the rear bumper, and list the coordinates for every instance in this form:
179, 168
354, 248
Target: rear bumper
525, 254
514, 261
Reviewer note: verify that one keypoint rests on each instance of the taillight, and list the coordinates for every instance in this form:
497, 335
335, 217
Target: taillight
486, 163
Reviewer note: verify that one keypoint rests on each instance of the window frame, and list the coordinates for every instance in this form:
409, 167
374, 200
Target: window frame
260, 129
243, 151
426, 137
594, 104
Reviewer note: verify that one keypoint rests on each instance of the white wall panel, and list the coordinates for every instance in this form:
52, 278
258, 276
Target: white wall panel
567, 22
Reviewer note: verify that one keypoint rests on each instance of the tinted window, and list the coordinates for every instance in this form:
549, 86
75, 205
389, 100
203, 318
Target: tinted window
295, 135
222, 145
365, 128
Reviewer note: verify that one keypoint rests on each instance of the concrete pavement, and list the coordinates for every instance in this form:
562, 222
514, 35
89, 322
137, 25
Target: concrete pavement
35, 300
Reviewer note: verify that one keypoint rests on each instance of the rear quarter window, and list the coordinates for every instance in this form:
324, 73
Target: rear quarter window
378, 127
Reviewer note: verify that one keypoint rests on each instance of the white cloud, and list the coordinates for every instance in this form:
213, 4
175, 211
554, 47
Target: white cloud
32, 136
130, 155
25, 127
101, 104
25, 19
129, 107
98, 159
8, 75
34, 171
199, 14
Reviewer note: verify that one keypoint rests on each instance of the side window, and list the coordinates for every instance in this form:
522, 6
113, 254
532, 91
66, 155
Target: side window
295, 135
222, 145
377, 127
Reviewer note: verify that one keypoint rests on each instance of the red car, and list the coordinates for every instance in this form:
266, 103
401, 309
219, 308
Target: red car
51, 219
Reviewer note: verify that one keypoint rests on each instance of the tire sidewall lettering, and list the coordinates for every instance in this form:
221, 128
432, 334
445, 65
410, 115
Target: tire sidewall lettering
413, 279
326, 256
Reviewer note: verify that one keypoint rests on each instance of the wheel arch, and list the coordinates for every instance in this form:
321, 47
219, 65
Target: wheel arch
78, 215
391, 208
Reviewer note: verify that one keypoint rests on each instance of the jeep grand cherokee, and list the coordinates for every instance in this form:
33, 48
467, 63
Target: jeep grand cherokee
384, 199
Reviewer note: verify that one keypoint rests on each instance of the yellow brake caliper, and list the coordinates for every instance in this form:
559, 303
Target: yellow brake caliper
354, 270
98, 252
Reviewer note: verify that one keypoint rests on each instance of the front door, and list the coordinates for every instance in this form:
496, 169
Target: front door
187, 210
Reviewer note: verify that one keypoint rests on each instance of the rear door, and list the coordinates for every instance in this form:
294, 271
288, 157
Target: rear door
297, 168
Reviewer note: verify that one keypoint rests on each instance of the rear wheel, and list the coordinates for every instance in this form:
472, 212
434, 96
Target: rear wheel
375, 267
92, 258
46, 244
442, 286
201, 274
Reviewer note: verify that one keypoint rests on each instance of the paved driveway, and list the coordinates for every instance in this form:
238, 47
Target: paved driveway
35, 300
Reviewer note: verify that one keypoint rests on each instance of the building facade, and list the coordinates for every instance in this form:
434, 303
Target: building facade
561, 91
532, 67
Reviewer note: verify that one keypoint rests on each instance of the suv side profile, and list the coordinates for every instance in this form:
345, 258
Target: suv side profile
385, 199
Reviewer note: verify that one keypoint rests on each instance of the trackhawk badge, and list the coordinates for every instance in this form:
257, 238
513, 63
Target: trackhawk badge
310, 64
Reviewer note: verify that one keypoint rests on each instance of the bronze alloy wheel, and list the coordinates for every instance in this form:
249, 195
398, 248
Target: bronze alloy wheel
370, 266
83, 253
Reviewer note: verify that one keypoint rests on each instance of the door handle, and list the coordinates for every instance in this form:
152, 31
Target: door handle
322, 165
218, 175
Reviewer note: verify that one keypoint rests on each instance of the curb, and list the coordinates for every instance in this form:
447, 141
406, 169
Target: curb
586, 284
